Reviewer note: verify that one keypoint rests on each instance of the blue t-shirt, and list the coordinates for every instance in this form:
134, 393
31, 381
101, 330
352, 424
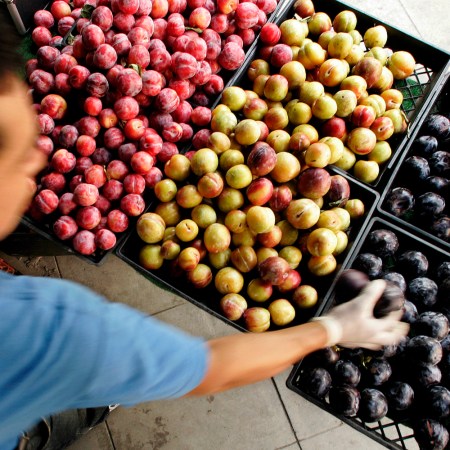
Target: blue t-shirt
63, 347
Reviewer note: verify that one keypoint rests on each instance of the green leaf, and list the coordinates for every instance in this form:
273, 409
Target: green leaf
86, 11
197, 30
136, 67
70, 39
301, 19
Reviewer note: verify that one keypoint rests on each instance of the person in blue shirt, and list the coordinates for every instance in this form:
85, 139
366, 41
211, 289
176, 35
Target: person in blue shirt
64, 348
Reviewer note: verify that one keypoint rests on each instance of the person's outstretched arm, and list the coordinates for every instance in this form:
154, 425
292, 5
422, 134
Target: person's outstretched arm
246, 358
243, 359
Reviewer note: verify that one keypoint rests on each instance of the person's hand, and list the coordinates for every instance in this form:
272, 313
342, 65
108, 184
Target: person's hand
352, 324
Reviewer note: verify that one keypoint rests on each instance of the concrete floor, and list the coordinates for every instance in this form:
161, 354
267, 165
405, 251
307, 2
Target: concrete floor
264, 416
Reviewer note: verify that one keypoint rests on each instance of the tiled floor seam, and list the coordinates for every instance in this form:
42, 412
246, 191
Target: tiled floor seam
165, 310
57, 266
110, 435
312, 436
286, 413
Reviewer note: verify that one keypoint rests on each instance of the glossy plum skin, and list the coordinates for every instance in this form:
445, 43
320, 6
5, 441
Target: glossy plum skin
419, 191
400, 395
431, 434
373, 405
316, 381
346, 372
368, 263
345, 400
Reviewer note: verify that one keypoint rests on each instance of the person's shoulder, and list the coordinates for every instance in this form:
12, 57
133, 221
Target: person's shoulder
44, 290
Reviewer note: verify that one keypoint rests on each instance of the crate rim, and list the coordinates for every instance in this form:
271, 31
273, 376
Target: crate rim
148, 274
378, 20
27, 222
347, 420
361, 239
444, 79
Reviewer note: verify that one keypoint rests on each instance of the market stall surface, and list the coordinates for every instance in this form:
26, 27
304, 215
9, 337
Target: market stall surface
264, 416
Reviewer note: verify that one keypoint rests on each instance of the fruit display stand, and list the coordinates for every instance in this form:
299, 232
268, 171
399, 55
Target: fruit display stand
417, 89
208, 298
417, 195
396, 429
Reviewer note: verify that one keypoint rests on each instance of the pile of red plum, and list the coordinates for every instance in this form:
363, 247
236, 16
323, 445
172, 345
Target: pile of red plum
119, 87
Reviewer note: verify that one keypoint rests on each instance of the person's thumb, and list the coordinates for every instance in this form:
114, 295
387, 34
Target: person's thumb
371, 294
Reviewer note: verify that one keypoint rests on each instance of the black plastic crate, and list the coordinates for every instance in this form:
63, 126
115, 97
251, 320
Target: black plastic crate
439, 103
430, 60
393, 431
431, 66
208, 298
58, 247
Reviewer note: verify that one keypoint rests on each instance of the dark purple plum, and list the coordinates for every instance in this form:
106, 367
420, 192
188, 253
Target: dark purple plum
368, 263
346, 372
437, 125
433, 324
373, 405
316, 381
429, 204
439, 185
413, 264
399, 201
439, 163
339, 192
410, 313
425, 146
354, 355
402, 344
325, 357
349, 284
400, 395
396, 278
431, 434
424, 349
422, 291
392, 299
445, 309
378, 371
345, 400
382, 243
443, 271
441, 228
415, 168
438, 401
426, 375
387, 351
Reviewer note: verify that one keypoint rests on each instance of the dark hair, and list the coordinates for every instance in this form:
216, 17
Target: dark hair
10, 57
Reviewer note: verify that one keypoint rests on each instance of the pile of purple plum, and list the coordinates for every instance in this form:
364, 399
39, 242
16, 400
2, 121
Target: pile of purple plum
420, 191
409, 382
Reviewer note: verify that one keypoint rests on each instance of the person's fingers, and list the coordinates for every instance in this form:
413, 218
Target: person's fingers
394, 315
392, 335
371, 294
401, 328
392, 324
